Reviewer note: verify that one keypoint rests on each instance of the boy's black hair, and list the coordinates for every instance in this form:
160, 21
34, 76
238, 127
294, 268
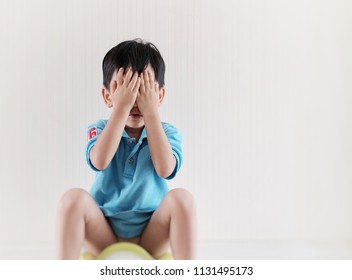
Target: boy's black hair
136, 53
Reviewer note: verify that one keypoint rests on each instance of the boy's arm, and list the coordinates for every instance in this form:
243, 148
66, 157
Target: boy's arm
163, 158
162, 155
123, 94
107, 143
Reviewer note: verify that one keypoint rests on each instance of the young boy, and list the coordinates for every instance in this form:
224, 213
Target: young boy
133, 154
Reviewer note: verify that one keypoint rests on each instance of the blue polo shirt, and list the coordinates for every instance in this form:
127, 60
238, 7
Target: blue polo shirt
129, 190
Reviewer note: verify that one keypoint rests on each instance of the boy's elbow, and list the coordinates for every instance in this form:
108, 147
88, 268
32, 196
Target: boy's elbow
98, 162
166, 168
164, 171
99, 165
163, 174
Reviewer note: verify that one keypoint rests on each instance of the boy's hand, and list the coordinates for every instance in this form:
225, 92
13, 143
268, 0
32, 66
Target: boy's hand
148, 96
124, 90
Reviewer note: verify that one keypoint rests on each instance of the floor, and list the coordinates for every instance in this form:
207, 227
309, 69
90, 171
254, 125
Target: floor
216, 250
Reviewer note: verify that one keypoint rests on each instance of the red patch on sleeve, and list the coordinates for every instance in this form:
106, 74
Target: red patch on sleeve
92, 133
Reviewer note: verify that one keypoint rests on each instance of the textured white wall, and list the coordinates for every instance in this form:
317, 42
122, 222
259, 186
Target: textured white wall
261, 91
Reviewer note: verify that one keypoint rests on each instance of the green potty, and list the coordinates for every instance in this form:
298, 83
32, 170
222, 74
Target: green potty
124, 251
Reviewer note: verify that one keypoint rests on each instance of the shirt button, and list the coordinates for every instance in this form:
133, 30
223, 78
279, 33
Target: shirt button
131, 160
130, 141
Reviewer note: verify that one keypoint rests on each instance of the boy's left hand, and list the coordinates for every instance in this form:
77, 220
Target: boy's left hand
148, 95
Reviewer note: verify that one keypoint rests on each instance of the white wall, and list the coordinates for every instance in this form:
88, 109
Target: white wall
261, 91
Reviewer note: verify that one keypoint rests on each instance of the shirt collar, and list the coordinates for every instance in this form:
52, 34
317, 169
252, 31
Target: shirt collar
143, 135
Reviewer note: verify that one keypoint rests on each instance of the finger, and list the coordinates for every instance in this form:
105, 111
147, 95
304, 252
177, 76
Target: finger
119, 76
112, 85
146, 79
128, 76
142, 84
150, 79
137, 85
133, 81
156, 86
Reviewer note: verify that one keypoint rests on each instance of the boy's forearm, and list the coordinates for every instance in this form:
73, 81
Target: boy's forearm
106, 145
163, 158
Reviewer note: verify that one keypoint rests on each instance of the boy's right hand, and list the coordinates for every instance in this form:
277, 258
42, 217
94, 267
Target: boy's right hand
124, 90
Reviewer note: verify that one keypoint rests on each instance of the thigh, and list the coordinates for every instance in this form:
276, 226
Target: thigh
155, 238
98, 233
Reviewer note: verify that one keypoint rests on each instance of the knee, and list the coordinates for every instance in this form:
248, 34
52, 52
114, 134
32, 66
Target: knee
182, 199
72, 200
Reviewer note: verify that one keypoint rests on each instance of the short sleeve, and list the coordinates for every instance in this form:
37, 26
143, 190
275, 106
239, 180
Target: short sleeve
93, 132
175, 140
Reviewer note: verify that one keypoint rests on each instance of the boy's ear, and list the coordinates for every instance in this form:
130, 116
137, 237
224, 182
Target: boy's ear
161, 94
106, 96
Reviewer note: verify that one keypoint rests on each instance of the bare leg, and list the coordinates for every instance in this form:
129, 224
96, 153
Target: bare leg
79, 221
174, 221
